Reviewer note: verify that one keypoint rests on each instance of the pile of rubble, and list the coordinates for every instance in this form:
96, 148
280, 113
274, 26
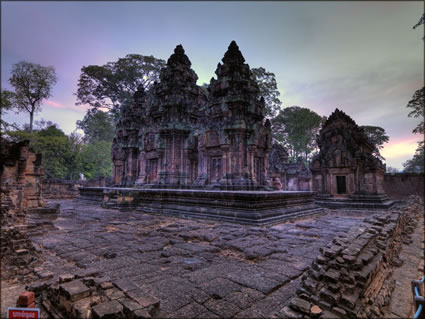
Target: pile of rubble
86, 296
352, 277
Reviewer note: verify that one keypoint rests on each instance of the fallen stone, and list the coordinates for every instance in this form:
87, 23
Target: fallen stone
75, 290
287, 312
332, 276
66, 278
45, 275
340, 311
108, 310
315, 311
349, 300
25, 299
21, 252
328, 296
300, 305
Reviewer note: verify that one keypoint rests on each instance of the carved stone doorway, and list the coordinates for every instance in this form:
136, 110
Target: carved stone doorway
341, 186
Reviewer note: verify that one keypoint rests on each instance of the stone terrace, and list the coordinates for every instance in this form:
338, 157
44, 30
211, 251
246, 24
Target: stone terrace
194, 268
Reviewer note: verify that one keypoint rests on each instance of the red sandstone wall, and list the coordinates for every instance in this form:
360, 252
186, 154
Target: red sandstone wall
399, 185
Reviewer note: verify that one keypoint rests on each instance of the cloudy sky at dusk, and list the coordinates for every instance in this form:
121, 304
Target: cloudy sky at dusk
362, 57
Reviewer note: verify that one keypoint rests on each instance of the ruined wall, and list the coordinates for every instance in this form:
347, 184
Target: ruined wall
404, 184
353, 275
20, 191
64, 189
20, 173
60, 189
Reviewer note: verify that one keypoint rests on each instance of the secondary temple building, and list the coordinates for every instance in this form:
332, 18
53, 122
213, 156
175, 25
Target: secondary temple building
179, 138
345, 172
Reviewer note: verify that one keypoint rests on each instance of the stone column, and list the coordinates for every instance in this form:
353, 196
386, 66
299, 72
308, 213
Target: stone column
141, 179
225, 164
185, 169
251, 169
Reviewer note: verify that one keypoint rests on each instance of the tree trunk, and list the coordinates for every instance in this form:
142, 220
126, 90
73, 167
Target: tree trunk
31, 120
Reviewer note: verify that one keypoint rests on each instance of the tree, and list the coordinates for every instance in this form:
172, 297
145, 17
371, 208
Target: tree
32, 83
96, 159
417, 104
390, 169
97, 126
420, 22
296, 128
59, 156
268, 90
112, 85
416, 164
377, 137
6, 98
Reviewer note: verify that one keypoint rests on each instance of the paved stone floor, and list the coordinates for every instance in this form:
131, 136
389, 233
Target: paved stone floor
196, 268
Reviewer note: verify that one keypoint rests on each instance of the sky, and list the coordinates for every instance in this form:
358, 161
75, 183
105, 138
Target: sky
361, 57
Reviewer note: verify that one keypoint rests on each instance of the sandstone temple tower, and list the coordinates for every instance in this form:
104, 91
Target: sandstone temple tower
345, 170
180, 138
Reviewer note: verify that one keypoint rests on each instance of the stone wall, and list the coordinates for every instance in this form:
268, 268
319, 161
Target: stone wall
399, 185
64, 189
353, 275
20, 192
20, 173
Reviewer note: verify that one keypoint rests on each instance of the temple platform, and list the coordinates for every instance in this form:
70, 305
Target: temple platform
355, 201
244, 207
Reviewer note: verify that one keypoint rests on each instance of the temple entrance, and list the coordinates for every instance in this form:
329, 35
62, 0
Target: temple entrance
341, 187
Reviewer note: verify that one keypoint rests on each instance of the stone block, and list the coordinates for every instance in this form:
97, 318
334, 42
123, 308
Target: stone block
25, 299
106, 285
82, 308
45, 275
349, 300
66, 278
332, 276
114, 294
300, 305
144, 299
108, 310
142, 314
21, 252
329, 296
315, 311
321, 259
74, 290
125, 285
287, 312
340, 311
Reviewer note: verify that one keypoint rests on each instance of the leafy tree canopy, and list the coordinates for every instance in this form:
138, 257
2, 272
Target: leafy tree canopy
113, 84
268, 89
417, 104
58, 157
296, 128
416, 164
377, 136
32, 83
97, 126
96, 159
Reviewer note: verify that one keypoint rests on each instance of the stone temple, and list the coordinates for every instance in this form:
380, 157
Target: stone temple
183, 152
345, 172
179, 138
